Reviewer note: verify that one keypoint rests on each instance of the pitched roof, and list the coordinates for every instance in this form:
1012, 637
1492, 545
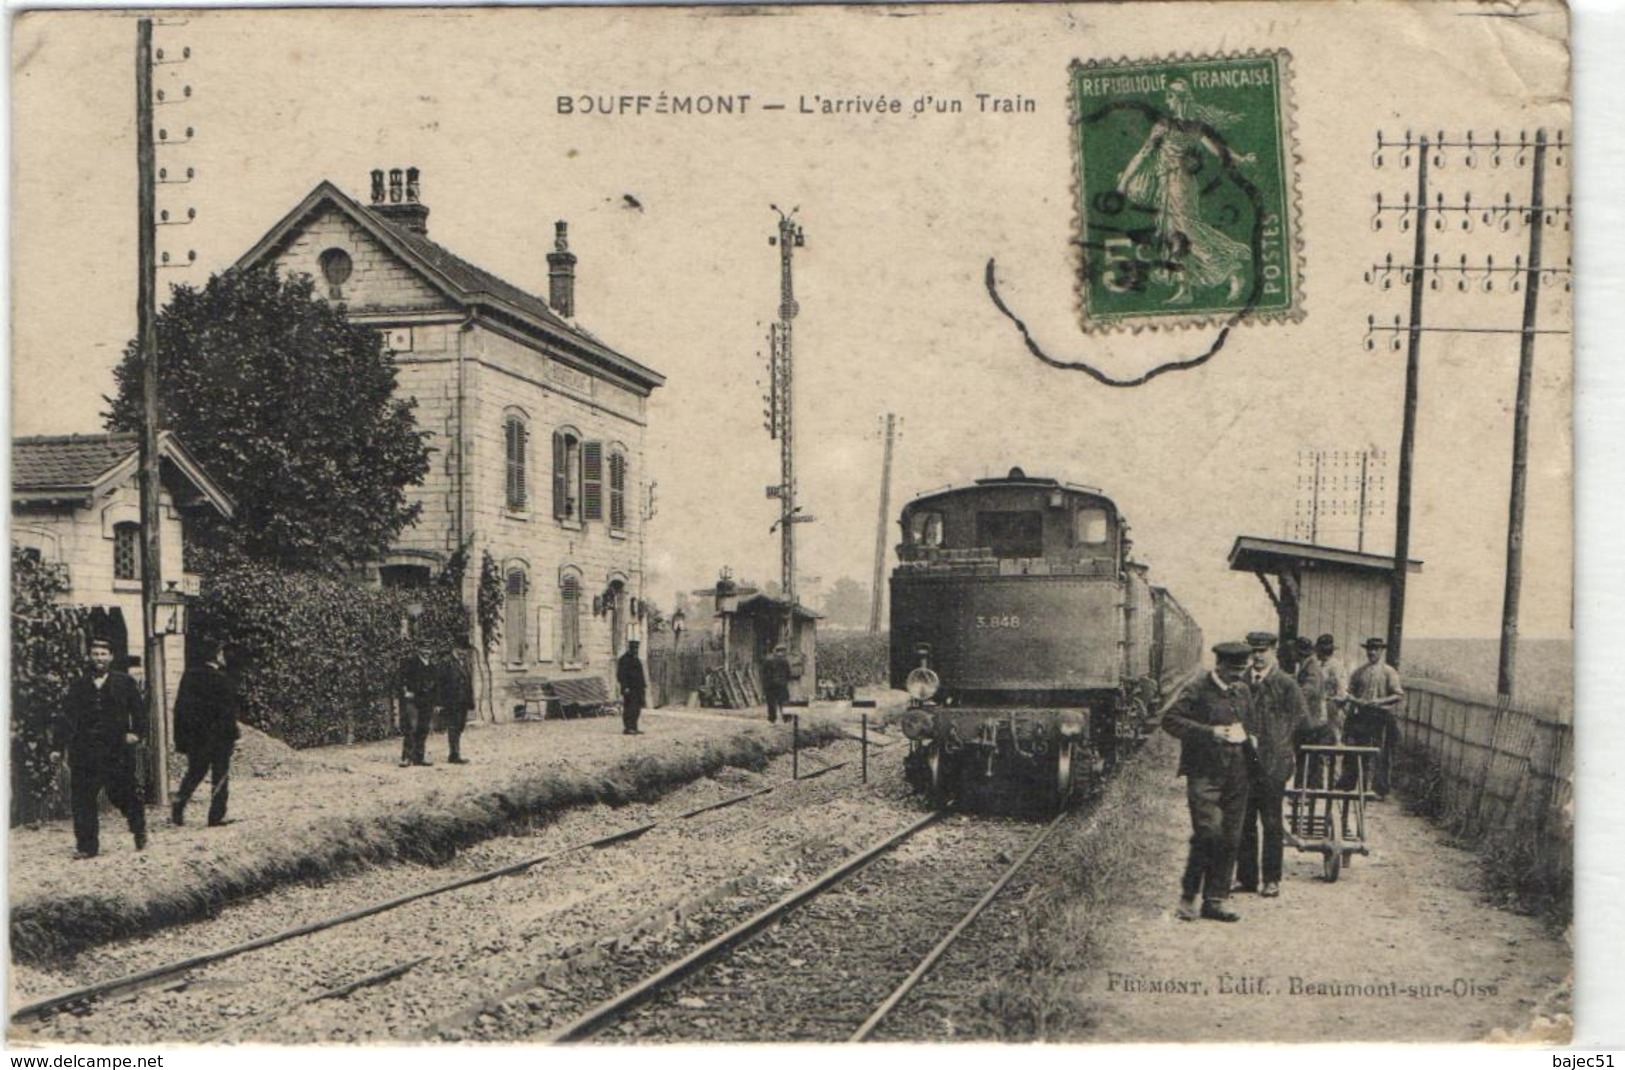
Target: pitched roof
460, 281
1253, 554
49, 468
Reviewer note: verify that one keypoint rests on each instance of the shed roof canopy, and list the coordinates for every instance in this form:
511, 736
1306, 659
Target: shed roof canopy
1251, 554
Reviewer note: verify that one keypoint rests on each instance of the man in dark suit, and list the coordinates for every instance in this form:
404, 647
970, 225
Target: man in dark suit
456, 698
206, 732
1208, 718
629, 675
102, 722
776, 683
418, 684
1275, 719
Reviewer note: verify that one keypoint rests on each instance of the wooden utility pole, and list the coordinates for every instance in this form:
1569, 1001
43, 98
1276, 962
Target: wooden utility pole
1407, 437
876, 596
1520, 432
147, 331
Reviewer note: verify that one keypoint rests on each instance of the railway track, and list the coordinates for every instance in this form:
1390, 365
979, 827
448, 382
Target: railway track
829, 960
198, 975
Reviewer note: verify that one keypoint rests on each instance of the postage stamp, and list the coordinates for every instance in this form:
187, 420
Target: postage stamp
1186, 191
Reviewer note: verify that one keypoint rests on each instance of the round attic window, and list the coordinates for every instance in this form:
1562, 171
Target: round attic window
336, 266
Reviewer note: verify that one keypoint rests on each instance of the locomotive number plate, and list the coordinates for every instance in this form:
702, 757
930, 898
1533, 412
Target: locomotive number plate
1009, 620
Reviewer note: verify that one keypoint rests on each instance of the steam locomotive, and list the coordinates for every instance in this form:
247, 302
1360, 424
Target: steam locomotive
1028, 638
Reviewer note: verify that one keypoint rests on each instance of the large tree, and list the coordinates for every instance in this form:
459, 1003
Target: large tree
292, 408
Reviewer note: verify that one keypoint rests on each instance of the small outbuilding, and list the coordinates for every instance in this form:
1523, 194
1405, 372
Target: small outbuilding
756, 624
1318, 590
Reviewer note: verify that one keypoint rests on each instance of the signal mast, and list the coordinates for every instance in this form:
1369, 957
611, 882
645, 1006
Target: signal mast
781, 408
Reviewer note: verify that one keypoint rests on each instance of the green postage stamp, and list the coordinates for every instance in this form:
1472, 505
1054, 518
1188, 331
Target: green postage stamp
1186, 191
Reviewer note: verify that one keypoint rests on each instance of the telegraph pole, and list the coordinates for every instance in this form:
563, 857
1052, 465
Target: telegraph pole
876, 597
147, 330
1407, 437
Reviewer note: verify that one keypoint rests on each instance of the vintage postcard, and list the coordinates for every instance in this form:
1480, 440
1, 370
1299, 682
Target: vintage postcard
793, 524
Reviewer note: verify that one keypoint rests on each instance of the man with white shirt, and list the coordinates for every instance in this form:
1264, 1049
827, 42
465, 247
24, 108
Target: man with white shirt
1209, 719
102, 721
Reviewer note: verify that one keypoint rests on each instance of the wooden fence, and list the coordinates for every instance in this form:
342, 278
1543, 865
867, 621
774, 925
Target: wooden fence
675, 674
1500, 777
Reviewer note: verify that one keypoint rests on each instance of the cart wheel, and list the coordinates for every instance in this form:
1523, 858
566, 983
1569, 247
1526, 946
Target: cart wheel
1332, 865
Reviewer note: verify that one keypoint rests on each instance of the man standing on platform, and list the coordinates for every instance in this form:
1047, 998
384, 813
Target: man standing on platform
1316, 729
1276, 715
776, 683
418, 684
206, 732
1208, 719
1335, 677
629, 674
1374, 693
102, 722
456, 697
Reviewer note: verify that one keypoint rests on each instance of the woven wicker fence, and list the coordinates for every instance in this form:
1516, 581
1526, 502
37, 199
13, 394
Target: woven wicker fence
1501, 778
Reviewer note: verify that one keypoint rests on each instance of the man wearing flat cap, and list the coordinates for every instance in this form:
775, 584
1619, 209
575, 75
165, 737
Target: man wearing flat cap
1375, 693
1336, 679
102, 721
1209, 719
776, 683
634, 686
1316, 729
1273, 721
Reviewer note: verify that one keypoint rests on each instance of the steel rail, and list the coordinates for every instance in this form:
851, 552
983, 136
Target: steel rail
147, 978
338, 992
587, 1023
931, 957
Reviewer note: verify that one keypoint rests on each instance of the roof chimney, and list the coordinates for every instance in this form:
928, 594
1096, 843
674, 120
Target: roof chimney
400, 203
561, 273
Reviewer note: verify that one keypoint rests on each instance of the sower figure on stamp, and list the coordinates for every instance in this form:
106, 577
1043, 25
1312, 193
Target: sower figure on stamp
1208, 719
455, 697
417, 683
1273, 722
206, 732
101, 723
776, 682
1374, 693
629, 674
1316, 729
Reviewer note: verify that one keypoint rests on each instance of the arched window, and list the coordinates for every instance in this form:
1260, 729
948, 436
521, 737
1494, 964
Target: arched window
514, 437
570, 619
617, 489
127, 551
567, 474
514, 614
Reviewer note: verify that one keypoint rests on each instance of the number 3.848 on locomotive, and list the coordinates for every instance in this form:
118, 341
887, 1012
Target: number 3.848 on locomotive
1027, 637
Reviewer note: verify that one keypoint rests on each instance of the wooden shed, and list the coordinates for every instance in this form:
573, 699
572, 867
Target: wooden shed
1318, 590
758, 623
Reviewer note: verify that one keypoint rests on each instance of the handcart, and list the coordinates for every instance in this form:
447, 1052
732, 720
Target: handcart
1327, 803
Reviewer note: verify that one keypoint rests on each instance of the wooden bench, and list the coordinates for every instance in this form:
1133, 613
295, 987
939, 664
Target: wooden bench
575, 696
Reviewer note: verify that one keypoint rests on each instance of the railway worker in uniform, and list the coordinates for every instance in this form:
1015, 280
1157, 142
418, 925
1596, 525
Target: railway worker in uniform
1208, 717
206, 732
776, 682
101, 723
455, 697
418, 684
1336, 679
1273, 722
629, 674
1316, 729
1374, 693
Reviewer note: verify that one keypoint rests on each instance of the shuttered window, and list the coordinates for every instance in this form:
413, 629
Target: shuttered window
570, 620
592, 481
617, 491
514, 435
514, 616
561, 482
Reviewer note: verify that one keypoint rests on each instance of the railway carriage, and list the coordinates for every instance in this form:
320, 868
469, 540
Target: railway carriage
1029, 639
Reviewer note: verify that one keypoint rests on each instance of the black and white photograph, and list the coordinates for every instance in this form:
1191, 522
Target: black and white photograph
940, 524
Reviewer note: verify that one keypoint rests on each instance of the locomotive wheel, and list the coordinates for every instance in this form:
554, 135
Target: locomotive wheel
1063, 775
933, 764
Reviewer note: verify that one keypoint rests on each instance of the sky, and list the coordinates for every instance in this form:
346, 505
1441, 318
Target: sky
901, 215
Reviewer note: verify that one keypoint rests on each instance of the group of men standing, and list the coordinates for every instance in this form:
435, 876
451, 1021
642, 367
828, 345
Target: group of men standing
434, 684
1240, 728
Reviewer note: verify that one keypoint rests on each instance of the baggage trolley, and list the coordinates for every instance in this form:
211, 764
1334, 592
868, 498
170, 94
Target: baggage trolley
1327, 804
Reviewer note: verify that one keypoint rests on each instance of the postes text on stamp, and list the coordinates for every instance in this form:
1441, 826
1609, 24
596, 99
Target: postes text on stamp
1185, 191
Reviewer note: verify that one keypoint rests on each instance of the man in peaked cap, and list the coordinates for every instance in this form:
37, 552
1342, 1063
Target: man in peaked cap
1273, 722
776, 682
101, 723
1209, 719
1316, 729
1375, 692
1336, 680
629, 675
